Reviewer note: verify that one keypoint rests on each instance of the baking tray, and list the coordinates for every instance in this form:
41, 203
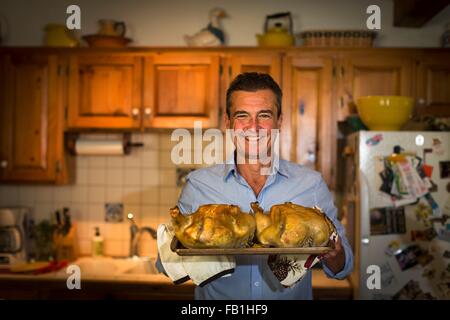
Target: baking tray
178, 248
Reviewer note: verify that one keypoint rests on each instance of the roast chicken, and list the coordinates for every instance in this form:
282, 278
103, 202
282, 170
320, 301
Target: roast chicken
291, 225
214, 226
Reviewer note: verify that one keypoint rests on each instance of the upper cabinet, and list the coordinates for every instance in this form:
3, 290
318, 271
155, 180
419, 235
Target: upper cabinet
265, 62
307, 128
181, 88
105, 91
433, 83
31, 119
372, 72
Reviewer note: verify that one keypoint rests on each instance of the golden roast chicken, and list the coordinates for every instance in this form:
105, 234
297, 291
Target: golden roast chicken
214, 226
292, 225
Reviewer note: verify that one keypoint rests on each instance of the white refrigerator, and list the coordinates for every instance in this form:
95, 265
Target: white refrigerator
397, 217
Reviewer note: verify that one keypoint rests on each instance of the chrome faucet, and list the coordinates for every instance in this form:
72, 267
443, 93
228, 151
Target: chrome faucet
135, 233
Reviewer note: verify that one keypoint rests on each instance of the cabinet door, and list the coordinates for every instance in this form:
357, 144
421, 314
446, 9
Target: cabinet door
237, 63
29, 102
261, 62
308, 132
105, 91
181, 88
433, 84
372, 73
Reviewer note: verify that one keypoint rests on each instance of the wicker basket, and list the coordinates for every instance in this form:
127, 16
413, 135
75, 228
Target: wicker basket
338, 38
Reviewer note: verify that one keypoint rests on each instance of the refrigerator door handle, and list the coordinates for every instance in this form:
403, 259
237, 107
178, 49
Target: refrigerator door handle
365, 234
365, 211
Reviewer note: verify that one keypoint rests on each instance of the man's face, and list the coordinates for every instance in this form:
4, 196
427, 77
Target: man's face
254, 114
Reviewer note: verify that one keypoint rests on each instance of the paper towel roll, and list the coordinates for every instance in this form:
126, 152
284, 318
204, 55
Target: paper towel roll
99, 147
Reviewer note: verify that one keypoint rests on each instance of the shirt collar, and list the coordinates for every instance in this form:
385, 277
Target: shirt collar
230, 168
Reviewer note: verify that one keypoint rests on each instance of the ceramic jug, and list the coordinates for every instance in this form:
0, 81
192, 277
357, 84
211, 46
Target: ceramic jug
111, 28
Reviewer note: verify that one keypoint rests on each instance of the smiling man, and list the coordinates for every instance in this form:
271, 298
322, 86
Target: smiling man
254, 114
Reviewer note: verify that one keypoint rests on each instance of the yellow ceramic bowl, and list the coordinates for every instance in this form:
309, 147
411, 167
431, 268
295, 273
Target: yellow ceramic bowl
384, 113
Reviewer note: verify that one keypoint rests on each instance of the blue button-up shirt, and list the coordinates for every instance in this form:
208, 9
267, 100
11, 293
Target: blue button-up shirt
252, 278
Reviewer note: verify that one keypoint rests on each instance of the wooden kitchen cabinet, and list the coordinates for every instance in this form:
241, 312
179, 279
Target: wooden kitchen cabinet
235, 63
371, 72
105, 91
31, 119
181, 88
255, 62
433, 83
308, 129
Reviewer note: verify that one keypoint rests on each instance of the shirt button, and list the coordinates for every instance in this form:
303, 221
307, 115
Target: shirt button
256, 284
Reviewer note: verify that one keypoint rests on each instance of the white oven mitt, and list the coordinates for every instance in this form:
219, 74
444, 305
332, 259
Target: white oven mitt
290, 269
170, 261
204, 269
200, 269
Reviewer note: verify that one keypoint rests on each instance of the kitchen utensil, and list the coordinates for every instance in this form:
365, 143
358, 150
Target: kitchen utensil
66, 221
384, 112
279, 35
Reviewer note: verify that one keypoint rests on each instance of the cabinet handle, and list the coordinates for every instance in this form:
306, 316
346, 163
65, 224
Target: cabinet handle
301, 108
3, 164
148, 112
341, 102
135, 113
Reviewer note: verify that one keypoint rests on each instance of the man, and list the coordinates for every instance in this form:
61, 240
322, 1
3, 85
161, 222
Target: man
254, 107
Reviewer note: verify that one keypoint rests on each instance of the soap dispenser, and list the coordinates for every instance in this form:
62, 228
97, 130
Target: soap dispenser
97, 244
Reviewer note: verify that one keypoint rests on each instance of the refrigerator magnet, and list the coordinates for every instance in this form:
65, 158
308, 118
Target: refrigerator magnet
387, 275
446, 254
407, 258
374, 140
444, 167
412, 291
429, 274
438, 147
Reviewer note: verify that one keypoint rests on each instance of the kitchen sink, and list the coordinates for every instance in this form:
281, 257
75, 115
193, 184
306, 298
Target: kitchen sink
107, 266
143, 266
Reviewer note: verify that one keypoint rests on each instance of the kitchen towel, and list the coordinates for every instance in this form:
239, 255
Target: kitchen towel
200, 269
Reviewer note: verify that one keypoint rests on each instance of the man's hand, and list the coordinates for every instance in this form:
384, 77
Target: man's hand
335, 259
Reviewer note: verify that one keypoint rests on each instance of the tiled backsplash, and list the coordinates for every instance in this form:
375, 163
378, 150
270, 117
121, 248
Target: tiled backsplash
144, 181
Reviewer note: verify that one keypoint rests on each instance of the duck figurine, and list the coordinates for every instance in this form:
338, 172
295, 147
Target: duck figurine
212, 35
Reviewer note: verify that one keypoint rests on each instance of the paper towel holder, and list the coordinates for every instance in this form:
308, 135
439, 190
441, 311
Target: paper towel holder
72, 137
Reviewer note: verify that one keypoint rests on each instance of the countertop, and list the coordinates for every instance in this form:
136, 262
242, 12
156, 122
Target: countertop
151, 286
